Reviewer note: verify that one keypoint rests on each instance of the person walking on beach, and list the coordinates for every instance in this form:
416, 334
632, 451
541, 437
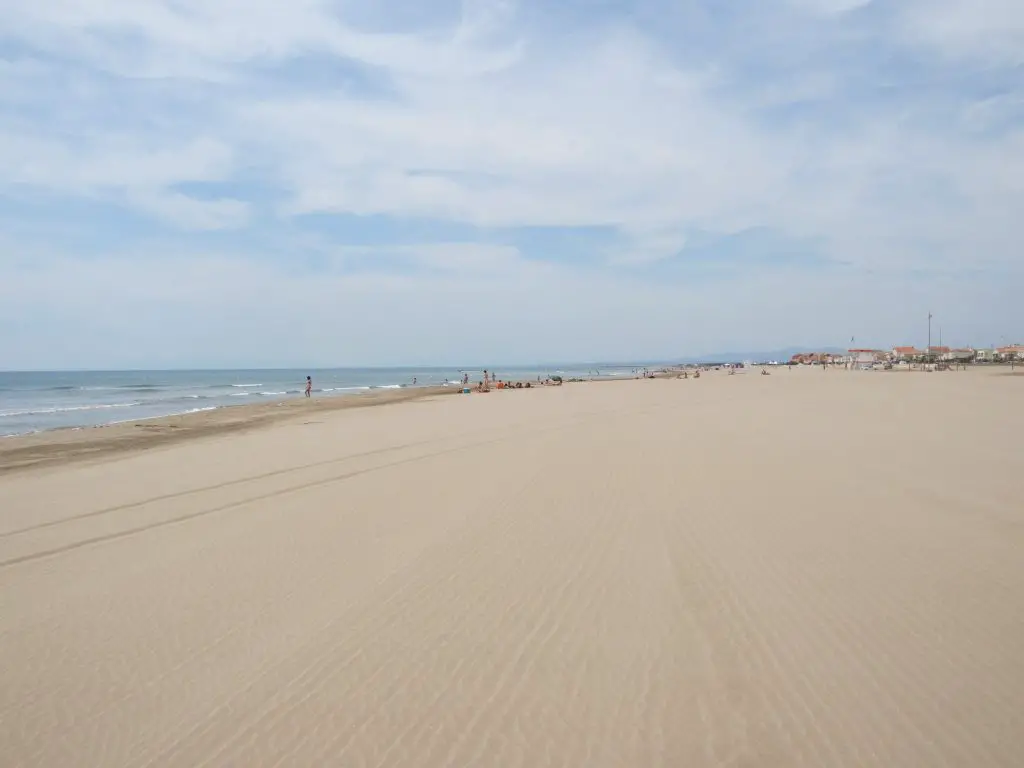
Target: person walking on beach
309, 386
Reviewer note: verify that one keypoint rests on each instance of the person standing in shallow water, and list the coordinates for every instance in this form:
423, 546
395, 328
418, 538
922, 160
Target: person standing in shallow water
309, 386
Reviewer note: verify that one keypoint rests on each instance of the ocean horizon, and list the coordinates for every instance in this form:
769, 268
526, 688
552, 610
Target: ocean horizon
37, 401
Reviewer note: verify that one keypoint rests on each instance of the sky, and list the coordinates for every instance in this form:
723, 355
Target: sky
186, 183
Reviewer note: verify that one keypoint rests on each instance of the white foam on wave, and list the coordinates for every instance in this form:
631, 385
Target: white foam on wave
388, 386
247, 386
67, 409
272, 394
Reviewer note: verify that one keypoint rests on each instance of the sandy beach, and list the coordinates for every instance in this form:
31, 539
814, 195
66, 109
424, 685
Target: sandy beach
804, 569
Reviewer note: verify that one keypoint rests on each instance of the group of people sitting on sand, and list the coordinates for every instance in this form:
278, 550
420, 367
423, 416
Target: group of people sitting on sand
490, 380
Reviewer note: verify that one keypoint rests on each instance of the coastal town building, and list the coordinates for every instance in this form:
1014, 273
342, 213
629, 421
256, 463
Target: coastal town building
1011, 352
906, 354
816, 358
964, 355
867, 358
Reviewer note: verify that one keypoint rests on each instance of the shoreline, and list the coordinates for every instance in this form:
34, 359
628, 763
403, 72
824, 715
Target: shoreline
32, 403
268, 399
64, 445
387, 393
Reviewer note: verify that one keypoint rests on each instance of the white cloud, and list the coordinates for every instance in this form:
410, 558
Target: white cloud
990, 31
189, 213
123, 170
106, 161
188, 38
829, 7
597, 134
505, 118
467, 259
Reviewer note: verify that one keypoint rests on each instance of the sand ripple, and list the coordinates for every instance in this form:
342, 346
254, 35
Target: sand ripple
741, 571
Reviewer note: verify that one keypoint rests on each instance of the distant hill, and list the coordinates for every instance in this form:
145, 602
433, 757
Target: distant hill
781, 355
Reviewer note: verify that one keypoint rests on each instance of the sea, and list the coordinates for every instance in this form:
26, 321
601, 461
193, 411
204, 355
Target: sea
35, 402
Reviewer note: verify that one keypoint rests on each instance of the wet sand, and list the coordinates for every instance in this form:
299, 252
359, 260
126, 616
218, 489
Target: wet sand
804, 569
61, 446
